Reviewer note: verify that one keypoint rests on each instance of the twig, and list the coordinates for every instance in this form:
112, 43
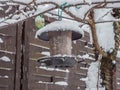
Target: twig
96, 6
104, 15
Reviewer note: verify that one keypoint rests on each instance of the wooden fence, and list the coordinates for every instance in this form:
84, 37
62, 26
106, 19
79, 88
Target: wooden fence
19, 69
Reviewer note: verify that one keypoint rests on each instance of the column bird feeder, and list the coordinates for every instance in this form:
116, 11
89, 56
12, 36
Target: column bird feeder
60, 35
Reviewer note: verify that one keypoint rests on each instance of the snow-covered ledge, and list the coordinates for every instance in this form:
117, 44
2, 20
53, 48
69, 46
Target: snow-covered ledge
77, 32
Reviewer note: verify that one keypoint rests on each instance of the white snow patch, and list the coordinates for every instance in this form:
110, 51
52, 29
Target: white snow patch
60, 25
5, 58
105, 35
83, 9
45, 53
118, 83
83, 68
45, 82
74, 42
61, 83
92, 77
118, 53
6, 76
84, 79
103, 15
114, 62
54, 69
86, 56
1, 40
88, 1
1, 9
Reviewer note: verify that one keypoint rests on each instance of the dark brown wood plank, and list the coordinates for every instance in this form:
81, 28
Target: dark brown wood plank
36, 86
35, 52
18, 56
8, 30
81, 45
6, 64
47, 72
9, 43
45, 78
25, 62
6, 72
4, 81
37, 41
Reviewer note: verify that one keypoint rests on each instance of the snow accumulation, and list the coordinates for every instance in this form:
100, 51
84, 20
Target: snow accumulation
45, 82
60, 25
92, 77
54, 69
45, 53
61, 83
4, 76
106, 39
86, 56
1, 41
5, 58
105, 30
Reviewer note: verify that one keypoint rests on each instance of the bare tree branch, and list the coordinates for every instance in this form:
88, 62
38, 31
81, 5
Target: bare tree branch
98, 49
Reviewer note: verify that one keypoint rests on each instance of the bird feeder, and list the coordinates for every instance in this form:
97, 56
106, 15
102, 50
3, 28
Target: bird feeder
60, 35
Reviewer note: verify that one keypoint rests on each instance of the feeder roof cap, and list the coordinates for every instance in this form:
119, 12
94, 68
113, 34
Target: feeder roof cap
60, 26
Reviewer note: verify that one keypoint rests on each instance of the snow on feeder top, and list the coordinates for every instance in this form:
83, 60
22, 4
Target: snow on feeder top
60, 35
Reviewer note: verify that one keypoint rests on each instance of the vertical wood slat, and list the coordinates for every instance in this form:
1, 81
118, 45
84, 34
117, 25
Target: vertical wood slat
116, 75
26, 34
18, 56
6, 32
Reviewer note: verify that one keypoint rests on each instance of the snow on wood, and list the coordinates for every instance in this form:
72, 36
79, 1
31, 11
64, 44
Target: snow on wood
5, 58
1, 41
45, 82
60, 25
9, 52
86, 56
45, 53
6, 68
4, 76
61, 83
54, 69
39, 46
